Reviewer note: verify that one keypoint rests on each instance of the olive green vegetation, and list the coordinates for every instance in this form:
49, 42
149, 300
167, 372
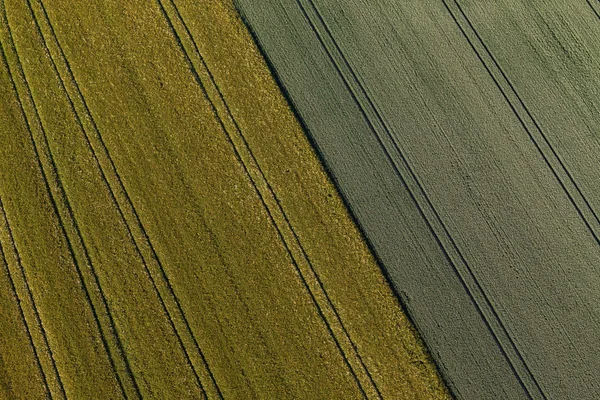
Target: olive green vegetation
167, 230
464, 136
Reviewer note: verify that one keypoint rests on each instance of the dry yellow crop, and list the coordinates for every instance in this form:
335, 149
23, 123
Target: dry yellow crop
169, 229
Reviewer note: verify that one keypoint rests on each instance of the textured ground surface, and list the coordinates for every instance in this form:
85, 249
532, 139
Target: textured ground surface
166, 230
465, 137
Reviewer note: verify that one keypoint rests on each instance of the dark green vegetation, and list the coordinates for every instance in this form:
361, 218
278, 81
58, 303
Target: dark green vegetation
465, 138
166, 230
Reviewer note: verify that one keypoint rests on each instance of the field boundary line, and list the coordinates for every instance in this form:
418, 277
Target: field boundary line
30, 318
285, 231
418, 194
319, 154
138, 235
64, 213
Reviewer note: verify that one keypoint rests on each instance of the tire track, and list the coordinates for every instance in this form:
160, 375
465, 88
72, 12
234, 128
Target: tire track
526, 119
336, 183
533, 129
421, 199
271, 204
64, 212
595, 6
6, 232
137, 233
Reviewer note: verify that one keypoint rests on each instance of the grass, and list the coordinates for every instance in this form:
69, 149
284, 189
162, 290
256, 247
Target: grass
464, 139
179, 237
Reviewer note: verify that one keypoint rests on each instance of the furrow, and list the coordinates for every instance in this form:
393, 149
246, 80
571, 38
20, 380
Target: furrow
61, 207
29, 314
271, 204
526, 119
120, 197
421, 199
595, 6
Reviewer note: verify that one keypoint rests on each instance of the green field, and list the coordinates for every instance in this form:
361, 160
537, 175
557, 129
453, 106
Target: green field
464, 136
167, 230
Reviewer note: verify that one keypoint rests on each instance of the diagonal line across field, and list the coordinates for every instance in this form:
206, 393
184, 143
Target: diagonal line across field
271, 203
421, 199
595, 6
124, 204
61, 206
31, 317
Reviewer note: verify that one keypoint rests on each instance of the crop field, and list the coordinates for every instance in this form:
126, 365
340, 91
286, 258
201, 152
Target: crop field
167, 230
465, 138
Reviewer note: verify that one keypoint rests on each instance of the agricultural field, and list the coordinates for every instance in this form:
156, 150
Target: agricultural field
465, 138
167, 230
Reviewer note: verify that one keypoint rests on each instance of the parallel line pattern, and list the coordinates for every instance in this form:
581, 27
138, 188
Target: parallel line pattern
30, 317
62, 209
421, 199
271, 203
535, 132
125, 207
526, 119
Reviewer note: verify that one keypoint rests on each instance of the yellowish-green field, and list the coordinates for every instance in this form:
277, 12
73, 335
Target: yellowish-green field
167, 231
